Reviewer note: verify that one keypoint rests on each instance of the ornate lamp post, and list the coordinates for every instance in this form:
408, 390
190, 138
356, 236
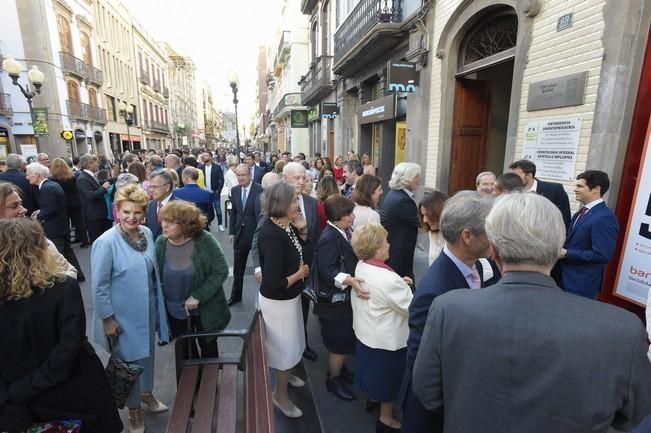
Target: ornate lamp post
179, 128
36, 79
234, 82
126, 110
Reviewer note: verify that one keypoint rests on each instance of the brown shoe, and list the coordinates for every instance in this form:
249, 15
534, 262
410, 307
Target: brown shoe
154, 405
136, 423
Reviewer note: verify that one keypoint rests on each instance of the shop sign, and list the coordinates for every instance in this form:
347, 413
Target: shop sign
329, 110
378, 110
558, 92
633, 280
40, 121
299, 119
552, 145
402, 77
313, 114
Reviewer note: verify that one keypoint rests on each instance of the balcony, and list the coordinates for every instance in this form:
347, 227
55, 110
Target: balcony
72, 65
144, 77
95, 75
81, 111
307, 6
5, 103
288, 100
284, 47
372, 28
317, 83
158, 126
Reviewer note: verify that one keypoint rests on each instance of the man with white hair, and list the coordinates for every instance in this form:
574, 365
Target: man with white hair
524, 356
15, 175
486, 183
43, 159
399, 216
52, 213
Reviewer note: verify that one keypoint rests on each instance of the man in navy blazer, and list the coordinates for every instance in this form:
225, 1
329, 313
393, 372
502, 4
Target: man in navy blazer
591, 238
214, 178
195, 194
554, 192
399, 216
161, 185
255, 171
244, 220
15, 175
462, 224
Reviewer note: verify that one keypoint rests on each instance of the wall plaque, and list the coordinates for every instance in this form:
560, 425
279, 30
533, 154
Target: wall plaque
558, 92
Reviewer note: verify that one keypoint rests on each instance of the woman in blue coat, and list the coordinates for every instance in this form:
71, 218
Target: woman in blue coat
127, 296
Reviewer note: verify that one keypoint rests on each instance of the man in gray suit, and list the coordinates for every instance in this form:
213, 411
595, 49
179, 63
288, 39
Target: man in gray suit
524, 356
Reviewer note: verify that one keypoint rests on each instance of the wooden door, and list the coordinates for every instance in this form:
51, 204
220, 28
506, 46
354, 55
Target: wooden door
469, 133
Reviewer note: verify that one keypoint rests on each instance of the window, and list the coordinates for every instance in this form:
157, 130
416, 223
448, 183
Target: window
496, 34
86, 53
134, 114
92, 97
110, 107
73, 90
65, 39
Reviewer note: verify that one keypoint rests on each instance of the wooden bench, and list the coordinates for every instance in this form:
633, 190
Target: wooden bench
208, 388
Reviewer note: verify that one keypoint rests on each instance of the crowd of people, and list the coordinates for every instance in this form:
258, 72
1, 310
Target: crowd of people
526, 347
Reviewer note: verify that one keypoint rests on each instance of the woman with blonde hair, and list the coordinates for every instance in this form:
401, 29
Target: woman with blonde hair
62, 174
338, 169
48, 370
127, 297
193, 270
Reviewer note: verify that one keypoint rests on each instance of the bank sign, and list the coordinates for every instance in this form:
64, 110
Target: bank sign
402, 77
634, 272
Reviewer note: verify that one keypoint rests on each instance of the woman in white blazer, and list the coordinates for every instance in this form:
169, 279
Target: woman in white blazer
380, 323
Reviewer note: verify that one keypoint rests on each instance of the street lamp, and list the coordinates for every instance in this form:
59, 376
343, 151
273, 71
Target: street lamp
36, 78
234, 82
180, 126
126, 110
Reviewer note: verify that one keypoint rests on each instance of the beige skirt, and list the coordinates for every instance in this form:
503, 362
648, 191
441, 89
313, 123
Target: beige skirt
285, 338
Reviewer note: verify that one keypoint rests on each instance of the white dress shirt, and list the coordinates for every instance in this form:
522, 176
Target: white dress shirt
208, 168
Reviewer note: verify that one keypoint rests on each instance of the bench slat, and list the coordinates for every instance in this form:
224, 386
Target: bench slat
259, 416
178, 422
227, 411
205, 404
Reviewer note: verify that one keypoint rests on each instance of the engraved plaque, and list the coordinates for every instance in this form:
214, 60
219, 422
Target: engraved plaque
558, 92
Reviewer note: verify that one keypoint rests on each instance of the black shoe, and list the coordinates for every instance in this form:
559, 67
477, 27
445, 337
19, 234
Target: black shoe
371, 405
233, 301
81, 278
309, 354
381, 427
337, 386
346, 375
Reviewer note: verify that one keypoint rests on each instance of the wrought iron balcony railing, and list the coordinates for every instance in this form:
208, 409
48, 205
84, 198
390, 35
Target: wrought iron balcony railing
284, 47
157, 126
288, 99
317, 83
95, 75
366, 15
5, 103
79, 110
96, 114
73, 65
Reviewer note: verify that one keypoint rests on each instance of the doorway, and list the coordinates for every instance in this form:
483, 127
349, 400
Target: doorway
481, 114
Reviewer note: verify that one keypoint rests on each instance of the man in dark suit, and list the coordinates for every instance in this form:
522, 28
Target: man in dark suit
353, 170
399, 216
194, 194
173, 162
461, 265
15, 175
524, 356
244, 220
93, 206
554, 192
591, 238
294, 174
161, 185
256, 172
261, 163
214, 177
52, 213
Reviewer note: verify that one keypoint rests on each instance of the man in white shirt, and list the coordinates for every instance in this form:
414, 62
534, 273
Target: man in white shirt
214, 178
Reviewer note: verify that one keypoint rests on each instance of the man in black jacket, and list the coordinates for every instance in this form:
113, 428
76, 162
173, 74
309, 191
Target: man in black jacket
93, 206
15, 175
554, 192
214, 178
52, 213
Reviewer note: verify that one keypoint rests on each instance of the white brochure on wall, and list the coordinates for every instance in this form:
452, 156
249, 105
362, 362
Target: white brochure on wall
634, 272
552, 144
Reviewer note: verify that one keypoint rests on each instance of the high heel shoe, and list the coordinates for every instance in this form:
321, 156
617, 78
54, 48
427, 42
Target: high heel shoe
381, 427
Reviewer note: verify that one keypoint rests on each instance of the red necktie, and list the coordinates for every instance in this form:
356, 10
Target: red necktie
582, 212
159, 206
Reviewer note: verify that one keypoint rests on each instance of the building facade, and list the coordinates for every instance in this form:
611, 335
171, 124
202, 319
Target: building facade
210, 121
261, 121
114, 27
65, 51
182, 103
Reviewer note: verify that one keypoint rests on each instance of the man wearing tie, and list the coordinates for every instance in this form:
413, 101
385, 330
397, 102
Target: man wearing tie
256, 172
93, 206
591, 238
161, 185
244, 220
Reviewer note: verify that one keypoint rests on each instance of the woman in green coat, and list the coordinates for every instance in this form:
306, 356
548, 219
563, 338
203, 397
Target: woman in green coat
193, 269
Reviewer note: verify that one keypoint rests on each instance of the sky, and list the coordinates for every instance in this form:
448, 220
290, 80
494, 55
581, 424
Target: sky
219, 35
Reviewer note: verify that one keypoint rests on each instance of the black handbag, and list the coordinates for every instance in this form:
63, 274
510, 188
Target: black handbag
321, 293
121, 376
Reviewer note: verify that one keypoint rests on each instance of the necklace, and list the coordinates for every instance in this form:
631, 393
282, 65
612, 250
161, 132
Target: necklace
139, 245
292, 237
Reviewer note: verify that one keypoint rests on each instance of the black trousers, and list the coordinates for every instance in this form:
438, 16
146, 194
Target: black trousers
240, 256
74, 213
305, 305
97, 228
178, 327
63, 246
